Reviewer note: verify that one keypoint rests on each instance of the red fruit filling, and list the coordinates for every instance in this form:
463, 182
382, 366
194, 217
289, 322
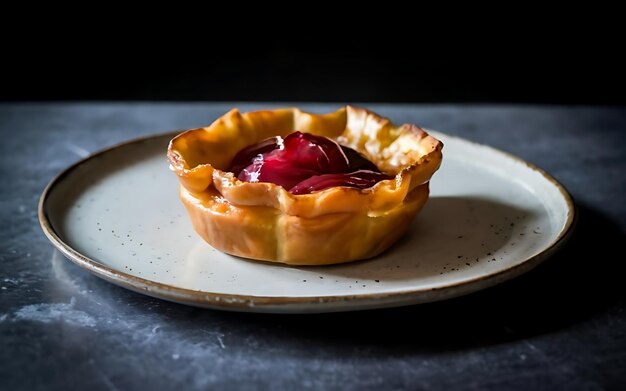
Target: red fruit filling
304, 163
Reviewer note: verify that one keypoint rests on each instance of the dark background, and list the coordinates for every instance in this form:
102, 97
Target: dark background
561, 326
360, 74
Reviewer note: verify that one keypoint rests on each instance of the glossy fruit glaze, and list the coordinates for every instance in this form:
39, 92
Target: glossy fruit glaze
304, 163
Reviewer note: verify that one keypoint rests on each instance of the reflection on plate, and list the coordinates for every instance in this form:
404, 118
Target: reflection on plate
491, 217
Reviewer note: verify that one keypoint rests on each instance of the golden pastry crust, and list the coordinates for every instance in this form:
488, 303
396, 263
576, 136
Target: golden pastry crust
264, 221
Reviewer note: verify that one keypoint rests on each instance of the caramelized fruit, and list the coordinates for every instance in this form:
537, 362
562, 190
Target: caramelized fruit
304, 163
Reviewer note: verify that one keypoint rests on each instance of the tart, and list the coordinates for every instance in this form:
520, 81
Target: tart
265, 221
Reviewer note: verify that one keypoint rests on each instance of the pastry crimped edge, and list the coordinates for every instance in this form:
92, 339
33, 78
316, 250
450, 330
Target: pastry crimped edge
264, 221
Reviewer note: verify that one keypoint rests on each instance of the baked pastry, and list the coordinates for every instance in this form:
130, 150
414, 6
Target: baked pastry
265, 221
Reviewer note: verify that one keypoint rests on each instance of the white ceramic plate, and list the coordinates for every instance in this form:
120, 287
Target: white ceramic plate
491, 216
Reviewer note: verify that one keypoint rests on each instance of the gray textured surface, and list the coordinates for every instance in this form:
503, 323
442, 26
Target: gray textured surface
563, 326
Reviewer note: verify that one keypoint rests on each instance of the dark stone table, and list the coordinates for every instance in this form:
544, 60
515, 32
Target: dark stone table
562, 326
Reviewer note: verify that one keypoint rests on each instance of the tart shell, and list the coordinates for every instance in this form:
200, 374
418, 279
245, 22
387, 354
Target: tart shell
264, 221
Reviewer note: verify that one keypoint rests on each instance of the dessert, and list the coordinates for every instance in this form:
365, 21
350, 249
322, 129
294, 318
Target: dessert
298, 188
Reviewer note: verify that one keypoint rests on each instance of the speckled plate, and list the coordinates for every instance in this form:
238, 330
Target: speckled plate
491, 217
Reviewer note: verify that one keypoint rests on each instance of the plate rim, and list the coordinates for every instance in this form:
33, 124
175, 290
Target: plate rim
248, 303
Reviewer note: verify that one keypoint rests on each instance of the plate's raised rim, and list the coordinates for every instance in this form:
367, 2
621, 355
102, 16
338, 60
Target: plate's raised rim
296, 304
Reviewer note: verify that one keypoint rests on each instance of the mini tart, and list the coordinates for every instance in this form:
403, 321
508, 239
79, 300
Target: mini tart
264, 221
